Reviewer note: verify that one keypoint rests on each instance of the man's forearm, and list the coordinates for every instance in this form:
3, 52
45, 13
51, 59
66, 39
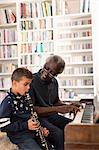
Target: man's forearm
59, 103
45, 111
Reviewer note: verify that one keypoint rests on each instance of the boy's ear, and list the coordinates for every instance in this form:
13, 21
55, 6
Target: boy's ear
14, 82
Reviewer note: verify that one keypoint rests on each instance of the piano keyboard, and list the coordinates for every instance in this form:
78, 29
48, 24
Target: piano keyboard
85, 115
88, 114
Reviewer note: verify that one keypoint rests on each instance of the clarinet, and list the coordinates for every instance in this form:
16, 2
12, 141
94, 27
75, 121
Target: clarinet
40, 137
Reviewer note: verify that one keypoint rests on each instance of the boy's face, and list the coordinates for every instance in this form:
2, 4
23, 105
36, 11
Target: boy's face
21, 87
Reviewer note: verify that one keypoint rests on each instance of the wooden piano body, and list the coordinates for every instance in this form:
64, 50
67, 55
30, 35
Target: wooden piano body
81, 136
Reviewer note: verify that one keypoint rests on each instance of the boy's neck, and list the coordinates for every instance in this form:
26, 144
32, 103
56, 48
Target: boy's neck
13, 90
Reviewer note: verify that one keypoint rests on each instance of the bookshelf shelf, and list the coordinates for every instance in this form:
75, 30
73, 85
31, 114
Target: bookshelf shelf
75, 75
5, 74
75, 39
8, 25
75, 51
9, 59
74, 87
4, 89
79, 63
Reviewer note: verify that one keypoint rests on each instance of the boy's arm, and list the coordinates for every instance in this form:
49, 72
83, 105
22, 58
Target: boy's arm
15, 126
5, 119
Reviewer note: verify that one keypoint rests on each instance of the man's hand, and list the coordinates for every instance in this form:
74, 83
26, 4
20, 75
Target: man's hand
68, 109
96, 117
77, 104
73, 109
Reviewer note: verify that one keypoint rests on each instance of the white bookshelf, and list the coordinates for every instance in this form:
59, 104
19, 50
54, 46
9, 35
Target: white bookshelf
73, 41
95, 30
8, 43
58, 27
45, 27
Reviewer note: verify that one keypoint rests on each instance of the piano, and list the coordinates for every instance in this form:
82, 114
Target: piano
82, 133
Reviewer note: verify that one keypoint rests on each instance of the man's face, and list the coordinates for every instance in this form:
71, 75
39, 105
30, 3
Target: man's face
22, 86
49, 71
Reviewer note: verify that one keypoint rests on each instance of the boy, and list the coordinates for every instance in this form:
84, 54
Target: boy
15, 113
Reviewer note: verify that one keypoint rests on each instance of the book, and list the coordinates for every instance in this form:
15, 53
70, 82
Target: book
86, 6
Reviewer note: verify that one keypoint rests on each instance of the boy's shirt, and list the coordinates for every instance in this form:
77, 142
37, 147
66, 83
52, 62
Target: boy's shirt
14, 113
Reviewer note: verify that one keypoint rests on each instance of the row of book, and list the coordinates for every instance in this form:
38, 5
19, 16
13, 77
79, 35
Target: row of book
37, 24
66, 94
44, 8
49, 46
35, 9
73, 70
85, 6
73, 34
7, 68
70, 46
62, 7
7, 16
36, 36
8, 51
77, 82
37, 59
37, 47
48, 23
65, 22
34, 60
78, 58
8, 35
75, 94
5, 82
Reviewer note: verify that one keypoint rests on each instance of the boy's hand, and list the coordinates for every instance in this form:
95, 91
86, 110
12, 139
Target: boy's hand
45, 132
32, 125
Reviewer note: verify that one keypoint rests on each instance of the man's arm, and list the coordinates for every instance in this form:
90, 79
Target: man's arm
45, 111
59, 102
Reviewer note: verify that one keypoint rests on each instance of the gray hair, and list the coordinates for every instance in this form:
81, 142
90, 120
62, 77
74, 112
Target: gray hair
55, 59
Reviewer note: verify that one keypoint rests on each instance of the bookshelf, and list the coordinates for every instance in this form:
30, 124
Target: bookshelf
73, 41
8, 43
72, 23
62, 27
35, 32
95, 31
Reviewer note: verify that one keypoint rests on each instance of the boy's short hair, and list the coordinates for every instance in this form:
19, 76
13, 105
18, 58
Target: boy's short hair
21, 72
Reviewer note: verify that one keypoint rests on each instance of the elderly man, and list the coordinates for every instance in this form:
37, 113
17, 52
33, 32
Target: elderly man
44, 93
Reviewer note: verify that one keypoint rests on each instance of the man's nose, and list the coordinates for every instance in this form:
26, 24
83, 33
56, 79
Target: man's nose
46, 73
